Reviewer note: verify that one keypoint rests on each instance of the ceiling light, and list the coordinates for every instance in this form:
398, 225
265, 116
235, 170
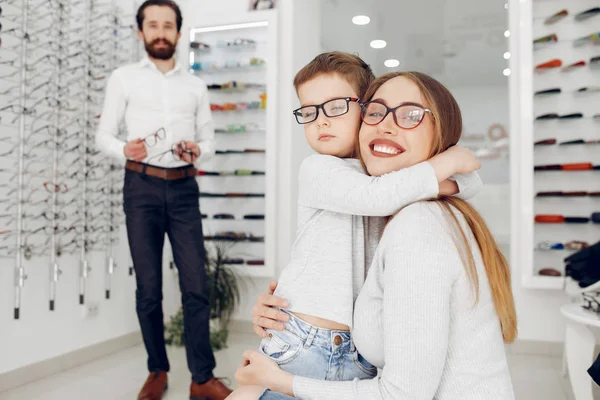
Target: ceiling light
506, 6
391, 63
506, 72
507, 55
378, 44
361, 20
506, 33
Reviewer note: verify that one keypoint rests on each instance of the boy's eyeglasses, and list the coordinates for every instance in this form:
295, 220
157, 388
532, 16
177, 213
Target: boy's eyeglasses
406, 116
331, 108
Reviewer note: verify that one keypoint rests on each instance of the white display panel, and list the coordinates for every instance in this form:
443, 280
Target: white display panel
239, 180
528, 23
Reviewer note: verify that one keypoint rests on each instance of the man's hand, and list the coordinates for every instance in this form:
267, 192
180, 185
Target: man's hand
266, 317
190, 153
135, 150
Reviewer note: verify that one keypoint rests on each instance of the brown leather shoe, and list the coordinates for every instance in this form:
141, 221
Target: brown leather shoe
211, 390
155, 386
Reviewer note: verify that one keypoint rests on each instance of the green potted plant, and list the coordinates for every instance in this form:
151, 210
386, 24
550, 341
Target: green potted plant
223, 286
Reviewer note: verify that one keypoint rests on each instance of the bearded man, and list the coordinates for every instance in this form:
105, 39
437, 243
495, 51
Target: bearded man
169, 127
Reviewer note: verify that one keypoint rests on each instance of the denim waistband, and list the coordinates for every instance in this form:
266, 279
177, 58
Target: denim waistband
322, 337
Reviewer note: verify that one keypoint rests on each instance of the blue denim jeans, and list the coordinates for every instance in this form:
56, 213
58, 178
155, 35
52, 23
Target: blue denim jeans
155, 207
268, 395
306, 350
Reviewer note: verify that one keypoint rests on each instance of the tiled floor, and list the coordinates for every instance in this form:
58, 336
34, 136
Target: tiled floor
119, 376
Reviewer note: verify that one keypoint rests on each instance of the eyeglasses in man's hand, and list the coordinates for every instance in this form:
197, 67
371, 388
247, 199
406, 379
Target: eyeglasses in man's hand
186, 151
154, 137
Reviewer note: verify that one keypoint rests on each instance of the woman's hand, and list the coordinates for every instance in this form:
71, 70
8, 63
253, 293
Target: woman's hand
264, 316
258, 369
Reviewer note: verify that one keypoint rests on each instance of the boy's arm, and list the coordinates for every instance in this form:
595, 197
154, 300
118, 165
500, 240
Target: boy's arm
332, 184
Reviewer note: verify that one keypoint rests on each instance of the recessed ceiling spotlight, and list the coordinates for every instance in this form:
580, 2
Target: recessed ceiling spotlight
507, 55
506, 72
391, 63
506, 33
378, 44
361, 20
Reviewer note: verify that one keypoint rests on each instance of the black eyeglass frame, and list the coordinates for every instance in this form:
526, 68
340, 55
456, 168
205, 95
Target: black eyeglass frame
322, 107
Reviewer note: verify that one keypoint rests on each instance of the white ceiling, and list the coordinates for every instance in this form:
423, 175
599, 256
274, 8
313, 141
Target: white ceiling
461, 42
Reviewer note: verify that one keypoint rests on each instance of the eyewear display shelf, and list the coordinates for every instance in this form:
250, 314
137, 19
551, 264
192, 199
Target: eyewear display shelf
237, 61
555, 112
61, 202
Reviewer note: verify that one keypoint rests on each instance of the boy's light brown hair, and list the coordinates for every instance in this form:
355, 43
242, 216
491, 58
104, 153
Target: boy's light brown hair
350, 67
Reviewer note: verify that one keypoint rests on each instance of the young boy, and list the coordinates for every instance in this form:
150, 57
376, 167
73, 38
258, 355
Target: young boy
335, 243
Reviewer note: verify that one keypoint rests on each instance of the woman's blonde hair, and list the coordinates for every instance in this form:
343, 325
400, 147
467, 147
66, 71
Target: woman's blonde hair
447, 121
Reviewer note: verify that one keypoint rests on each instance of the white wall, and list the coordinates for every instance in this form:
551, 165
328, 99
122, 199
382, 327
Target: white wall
41, 334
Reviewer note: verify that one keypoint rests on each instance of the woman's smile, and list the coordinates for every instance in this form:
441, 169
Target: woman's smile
385, 148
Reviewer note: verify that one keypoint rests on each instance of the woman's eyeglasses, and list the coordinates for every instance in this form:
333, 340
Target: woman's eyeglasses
406, 115
331, 108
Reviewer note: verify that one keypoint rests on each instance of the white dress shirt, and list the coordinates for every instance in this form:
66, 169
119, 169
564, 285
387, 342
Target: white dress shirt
149, 100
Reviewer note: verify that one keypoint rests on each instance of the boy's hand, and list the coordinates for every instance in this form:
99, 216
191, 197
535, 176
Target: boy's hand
448, 188
465, 159
455, 160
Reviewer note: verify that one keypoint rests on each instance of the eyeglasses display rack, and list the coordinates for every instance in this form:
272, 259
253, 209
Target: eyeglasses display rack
555, 98
61, 199
237, 61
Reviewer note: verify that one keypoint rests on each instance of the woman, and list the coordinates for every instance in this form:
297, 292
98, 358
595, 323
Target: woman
437, 304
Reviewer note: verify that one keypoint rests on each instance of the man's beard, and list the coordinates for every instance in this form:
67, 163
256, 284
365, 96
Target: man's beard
163, 53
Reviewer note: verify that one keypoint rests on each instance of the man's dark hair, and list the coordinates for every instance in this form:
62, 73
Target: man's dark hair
165, 3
